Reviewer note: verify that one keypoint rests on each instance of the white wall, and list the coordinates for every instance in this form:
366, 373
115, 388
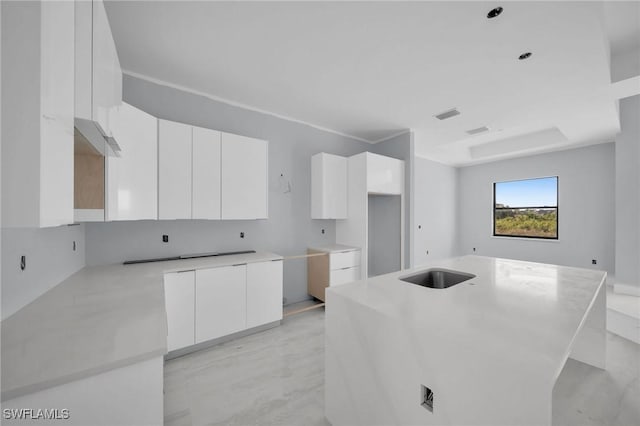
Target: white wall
50, 259
435, 206
628, 194
586, 208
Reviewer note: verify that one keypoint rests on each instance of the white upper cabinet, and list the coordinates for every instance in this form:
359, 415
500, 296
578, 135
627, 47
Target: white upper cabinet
328, 186
206, 174
174, 170
385, 175
37, 113
132, 178
107, 75
97, 69
244, 177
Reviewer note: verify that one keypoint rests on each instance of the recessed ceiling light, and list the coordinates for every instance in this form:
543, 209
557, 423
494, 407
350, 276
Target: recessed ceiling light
493, 13
448, 114
524, 56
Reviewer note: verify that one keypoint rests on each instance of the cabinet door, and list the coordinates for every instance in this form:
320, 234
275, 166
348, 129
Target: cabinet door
244, 177
179, 297
57, 106
221, 301
264, 293
385, 175
132, 178
206, 174
83, 59
328, 186
105, 69
174, 170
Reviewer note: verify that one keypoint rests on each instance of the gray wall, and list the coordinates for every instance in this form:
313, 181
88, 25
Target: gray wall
384, 234
435, 211
627, 192
402, 147
289, 229
586, 207
50, 259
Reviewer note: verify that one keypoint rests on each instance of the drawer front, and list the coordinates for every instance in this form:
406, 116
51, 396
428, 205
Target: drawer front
343, 276
347, 259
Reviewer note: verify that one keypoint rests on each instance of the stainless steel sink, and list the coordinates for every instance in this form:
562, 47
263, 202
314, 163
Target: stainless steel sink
437, 278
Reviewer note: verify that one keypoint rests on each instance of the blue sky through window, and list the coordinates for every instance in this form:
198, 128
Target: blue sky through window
528, 193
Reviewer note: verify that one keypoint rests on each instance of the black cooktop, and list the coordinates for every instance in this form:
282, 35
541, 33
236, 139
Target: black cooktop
186, 256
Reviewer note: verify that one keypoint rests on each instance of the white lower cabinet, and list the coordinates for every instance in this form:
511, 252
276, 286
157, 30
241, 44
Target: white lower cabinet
179, 298
343, 276
206, 304
264, 293
221, 301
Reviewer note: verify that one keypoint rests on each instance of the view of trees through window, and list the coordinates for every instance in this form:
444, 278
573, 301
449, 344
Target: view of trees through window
526, 208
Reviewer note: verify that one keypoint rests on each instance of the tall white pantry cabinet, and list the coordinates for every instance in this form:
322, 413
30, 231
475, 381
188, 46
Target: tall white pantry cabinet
37, 109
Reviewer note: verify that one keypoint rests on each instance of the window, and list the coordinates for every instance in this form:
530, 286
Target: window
526, 208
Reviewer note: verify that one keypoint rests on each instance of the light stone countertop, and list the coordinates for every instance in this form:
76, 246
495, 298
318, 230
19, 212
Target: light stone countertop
491, 347
98, 319
335, 248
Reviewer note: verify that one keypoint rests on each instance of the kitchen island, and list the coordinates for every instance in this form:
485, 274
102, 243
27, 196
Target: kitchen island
486, 351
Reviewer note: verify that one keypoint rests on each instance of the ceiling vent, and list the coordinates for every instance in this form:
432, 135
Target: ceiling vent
478, 130
448, 114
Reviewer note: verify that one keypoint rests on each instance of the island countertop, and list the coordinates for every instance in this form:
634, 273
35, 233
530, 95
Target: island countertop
499, 339
98, 319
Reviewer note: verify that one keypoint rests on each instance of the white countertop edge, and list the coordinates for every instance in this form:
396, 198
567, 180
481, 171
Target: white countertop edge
62, 380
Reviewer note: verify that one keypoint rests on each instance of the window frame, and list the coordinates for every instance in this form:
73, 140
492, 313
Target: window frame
529, 237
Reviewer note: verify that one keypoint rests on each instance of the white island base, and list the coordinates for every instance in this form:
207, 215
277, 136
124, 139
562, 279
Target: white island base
489, 349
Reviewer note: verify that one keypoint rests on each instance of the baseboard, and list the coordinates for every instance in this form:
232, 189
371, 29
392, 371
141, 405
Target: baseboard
630, 289
209, 343
623, 325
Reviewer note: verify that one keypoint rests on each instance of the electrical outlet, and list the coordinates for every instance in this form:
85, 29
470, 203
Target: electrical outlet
242, 235
474, 249
23, 262
594, 262
323, 231
165, 238
427, 251
419, 226
74, 246
426, 398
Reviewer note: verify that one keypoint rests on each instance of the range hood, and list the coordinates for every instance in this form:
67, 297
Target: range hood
92, 133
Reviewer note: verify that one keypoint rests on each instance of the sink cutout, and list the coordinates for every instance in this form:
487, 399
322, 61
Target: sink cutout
437, 278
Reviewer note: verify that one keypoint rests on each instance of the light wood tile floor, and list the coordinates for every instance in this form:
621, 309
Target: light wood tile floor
277, 378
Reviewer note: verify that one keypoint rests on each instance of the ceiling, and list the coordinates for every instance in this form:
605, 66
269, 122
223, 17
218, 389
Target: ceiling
373, 69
